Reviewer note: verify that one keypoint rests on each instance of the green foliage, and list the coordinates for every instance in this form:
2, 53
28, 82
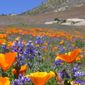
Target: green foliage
79, 43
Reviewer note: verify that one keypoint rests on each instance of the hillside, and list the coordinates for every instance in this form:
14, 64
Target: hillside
48, 5
48, 10
75, 12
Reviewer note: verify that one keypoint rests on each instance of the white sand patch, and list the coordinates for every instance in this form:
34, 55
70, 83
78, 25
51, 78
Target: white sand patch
70, 21
74, 22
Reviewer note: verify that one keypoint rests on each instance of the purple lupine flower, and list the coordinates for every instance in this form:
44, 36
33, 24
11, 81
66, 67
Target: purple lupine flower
57, 63
78, 74
64, 74
21, 59
30, 50
75, 69
15, 46
29, 43
16, 82
39, 40
21, 80
15, 43
78, 81
61, 49
18, 46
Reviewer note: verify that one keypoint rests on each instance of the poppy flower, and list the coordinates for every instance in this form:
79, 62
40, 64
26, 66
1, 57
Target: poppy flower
61, 42
10, 44
2, 41
3, 36
70, 57
4, 81
40, 78
78, 58
21, 71
7, 59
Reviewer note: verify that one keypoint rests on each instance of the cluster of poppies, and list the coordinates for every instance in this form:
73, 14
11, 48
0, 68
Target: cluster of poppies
41, 57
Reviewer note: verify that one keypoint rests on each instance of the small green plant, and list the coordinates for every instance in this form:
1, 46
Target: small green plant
79, 43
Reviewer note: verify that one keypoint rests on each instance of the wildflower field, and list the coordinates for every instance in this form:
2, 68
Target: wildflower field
41, 56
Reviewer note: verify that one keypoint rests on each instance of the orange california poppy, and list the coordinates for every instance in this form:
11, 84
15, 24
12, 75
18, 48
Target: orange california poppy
40, 78
2, 41
70, 57
4, 81
79, 58
10, 43
21, 71
6, 60
3, 36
